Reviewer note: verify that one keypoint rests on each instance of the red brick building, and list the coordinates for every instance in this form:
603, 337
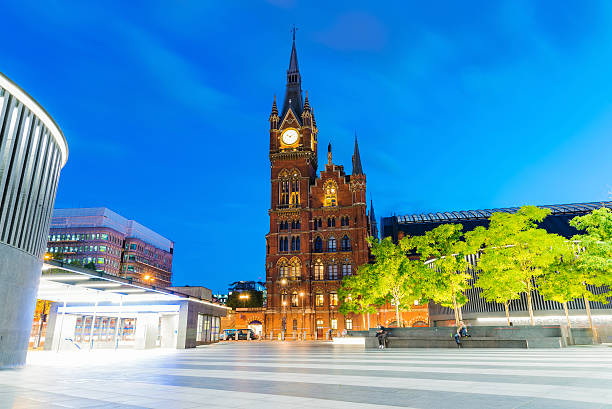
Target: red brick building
318, 223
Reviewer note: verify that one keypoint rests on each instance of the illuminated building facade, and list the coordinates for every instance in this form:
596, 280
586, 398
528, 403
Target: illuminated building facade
110, 243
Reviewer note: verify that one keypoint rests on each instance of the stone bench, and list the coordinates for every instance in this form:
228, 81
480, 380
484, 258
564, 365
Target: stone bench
478, 342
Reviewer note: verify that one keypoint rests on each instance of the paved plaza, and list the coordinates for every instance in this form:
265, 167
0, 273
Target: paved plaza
308, 375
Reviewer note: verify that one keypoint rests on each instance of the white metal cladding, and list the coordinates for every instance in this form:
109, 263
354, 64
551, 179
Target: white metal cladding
32, 152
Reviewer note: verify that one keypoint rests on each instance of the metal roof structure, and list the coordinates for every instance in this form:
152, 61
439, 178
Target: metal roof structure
486, 213
62, 282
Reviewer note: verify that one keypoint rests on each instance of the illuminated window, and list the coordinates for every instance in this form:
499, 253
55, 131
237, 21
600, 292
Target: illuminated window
283, 268
333, 298
334, 323
318, 270
349, 324
294, 299
284, 298
331, 193
346, 269
295, 268
289, 188
319, 300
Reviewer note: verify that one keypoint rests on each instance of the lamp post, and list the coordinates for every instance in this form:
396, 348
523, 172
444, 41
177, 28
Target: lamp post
283, 282
302, 300
148, 279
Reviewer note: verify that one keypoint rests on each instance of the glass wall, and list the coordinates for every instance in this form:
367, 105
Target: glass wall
208, 328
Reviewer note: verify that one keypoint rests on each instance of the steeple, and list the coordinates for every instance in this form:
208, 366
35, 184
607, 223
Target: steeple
329, 154
373, 224
293, 94
274, 108
357, 170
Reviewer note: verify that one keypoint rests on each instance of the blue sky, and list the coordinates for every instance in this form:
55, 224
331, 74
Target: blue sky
457, 105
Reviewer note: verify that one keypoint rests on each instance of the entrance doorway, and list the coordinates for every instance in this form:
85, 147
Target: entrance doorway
257, 327
319, 328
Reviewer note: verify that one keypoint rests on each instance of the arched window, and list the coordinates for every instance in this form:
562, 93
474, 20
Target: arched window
284, 298
297, 244
283, 244
283, 268
293, 243
333, 298
346, 244
331, 244
349, 324
319, 300
295, 268
332, 271
318, 270
289, 188
330, 190
318, 245
295, 328
294, 299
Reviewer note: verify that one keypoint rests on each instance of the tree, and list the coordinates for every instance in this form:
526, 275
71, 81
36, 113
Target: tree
595, 259
498, 285
514, 252
398, 279
356, 293
446, 279
564, 282
254, 300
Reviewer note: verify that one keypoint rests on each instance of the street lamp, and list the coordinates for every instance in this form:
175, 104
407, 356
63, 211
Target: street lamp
284, 318
303, 311
148, 278
243, 297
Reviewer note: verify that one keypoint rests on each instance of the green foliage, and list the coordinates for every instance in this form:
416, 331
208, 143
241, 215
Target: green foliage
356, 292
447, 278
596, 259
514, 254
255, 299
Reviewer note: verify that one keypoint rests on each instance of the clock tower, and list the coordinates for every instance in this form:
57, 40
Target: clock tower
318, 223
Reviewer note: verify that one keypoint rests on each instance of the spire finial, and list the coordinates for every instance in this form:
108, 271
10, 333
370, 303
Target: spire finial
329, 154
357, 169
293, 30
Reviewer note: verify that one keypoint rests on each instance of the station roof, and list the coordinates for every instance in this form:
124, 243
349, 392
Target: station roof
464, 215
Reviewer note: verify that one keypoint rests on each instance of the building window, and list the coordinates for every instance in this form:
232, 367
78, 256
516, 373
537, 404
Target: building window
349, 324
319, 324
295, 325
283, 244
132, 246
347, 268
318, 245
283, 268
295, 268
334, 323
284, 298
331, 193
289, 188
333, 299
346, 244
294, 299
319, 300
332, 270
318, 270
331, 244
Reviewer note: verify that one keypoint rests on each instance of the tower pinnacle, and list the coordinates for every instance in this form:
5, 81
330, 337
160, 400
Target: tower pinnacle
293, 94
357, 169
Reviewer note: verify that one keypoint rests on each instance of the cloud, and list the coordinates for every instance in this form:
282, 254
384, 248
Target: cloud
175, 75
355, 31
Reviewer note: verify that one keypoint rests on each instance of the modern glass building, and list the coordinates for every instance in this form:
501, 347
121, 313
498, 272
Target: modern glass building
33, 150
477, 310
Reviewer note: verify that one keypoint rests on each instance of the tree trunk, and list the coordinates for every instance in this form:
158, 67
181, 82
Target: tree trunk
397, 314
530, 307
507, 311
456, 310
460, 314
569, 324
364, 319
368, 320
588, 310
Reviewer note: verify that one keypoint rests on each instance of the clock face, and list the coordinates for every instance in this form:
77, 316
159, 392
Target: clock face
290, 136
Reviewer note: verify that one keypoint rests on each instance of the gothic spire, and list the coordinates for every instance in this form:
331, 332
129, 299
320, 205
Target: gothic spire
274, 107
293, 93
306, 104
329, 154
357, 169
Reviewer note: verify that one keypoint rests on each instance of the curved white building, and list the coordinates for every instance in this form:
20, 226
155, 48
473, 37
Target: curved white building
32, 152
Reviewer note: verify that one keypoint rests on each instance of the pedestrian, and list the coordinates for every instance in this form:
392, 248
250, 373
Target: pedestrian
329, 334
381, 334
